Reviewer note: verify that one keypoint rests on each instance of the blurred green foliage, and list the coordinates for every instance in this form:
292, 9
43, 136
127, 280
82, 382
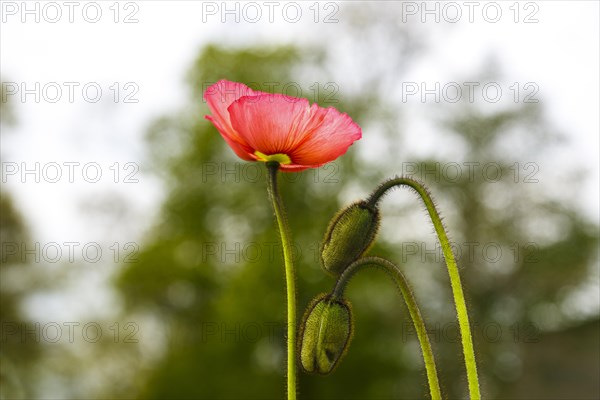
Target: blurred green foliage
16, 355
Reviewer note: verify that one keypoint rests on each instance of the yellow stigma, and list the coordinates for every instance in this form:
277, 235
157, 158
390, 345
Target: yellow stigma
279, 157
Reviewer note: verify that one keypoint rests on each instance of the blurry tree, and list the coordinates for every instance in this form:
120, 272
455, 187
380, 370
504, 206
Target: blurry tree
18, 348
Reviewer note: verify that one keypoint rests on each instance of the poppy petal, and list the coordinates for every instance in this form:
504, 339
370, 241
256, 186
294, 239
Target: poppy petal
218, 98
332, 138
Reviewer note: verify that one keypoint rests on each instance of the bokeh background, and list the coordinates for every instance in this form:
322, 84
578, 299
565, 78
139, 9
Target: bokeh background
140, 257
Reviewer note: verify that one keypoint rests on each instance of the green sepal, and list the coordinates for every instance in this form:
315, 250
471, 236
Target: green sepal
325, 334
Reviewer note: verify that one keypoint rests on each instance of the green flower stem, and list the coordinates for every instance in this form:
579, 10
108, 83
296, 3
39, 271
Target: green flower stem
413, 309
290, 277
457, 291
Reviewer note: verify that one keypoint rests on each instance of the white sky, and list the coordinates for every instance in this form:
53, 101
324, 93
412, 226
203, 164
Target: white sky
559, 54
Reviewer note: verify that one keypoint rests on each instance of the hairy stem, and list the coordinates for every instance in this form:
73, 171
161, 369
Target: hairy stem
457, 291
290, 277
393, 271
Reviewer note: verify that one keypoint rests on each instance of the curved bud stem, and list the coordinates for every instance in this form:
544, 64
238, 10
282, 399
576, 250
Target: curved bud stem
290, 277
393, 270
457, 291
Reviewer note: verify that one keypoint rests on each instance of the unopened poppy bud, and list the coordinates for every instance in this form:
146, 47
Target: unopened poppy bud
325, 334
349, 235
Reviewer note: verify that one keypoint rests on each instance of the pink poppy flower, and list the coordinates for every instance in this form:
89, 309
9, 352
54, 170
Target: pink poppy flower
265, 127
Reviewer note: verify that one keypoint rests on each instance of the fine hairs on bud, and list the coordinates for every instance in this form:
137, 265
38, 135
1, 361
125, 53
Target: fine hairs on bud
349, 235
325, 334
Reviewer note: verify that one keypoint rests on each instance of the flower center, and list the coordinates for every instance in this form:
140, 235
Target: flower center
279, 157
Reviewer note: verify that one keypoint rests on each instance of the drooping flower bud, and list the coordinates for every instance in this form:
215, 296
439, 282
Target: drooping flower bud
349, 235
325, 334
